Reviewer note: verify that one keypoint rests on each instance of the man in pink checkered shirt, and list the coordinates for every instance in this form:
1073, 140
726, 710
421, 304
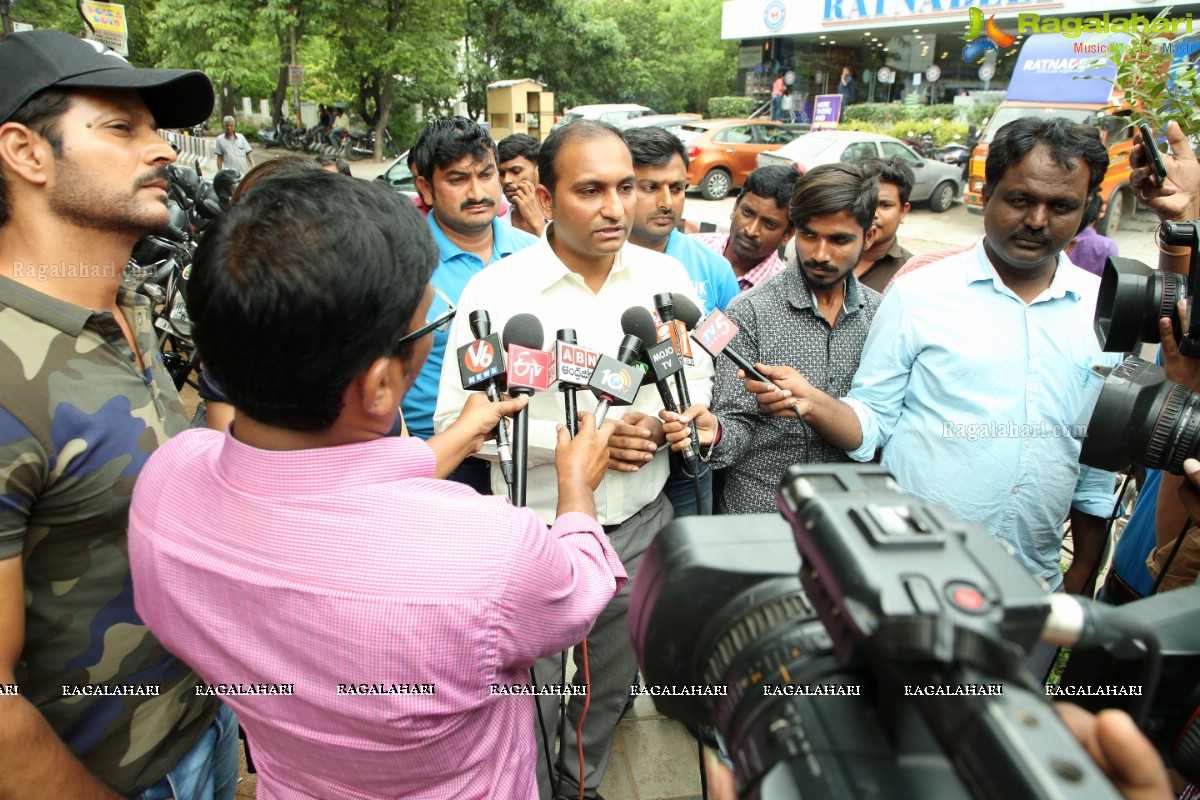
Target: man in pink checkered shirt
759, 227
372, 625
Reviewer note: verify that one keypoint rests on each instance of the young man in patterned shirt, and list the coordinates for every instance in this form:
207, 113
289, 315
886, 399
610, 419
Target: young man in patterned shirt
813, 316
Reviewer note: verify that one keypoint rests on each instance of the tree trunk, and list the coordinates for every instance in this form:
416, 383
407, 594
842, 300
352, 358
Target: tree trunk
227, 98
385, 111
281, 83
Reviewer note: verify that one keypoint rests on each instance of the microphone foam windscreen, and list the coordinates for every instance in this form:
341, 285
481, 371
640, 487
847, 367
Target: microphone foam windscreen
686, 311
636, 321
524, 330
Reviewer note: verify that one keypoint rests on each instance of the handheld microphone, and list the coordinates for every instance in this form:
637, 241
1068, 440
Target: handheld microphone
672, 327
481, 367
573, 367
616, 381
714, 333
529, 370
676, 331
663, 362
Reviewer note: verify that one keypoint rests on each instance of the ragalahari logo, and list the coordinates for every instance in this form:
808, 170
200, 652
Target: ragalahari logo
981, 38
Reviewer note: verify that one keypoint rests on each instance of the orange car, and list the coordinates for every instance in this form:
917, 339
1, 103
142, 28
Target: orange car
722, 152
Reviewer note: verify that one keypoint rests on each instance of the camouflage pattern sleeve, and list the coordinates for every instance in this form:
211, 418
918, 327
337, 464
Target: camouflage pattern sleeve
23, 472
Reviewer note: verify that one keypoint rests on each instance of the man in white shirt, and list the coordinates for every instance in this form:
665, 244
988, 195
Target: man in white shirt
232, 150
583, 274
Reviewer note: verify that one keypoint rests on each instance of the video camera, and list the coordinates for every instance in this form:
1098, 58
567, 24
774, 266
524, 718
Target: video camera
1144, 418
872, 648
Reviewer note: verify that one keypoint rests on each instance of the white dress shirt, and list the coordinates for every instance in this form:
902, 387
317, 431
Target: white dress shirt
534, 281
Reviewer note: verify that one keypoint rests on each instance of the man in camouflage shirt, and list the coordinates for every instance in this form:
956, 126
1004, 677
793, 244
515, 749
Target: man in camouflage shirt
91, 705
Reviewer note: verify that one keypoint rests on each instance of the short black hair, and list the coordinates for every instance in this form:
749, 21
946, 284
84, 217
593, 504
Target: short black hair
1066, 140
895, 171
282, 325
326, 160
579, 129
273, 168
518, 145
654, 147
40, 114
775, 181
446, 140
830, 188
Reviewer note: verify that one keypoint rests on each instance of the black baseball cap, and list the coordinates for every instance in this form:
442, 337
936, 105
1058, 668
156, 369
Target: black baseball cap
31, 61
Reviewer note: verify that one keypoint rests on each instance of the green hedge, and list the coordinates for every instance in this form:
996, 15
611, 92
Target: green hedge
891, 113
736, 107
943, 133
981, 111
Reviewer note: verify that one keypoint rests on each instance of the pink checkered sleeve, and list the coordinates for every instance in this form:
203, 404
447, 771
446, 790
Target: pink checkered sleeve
555, 592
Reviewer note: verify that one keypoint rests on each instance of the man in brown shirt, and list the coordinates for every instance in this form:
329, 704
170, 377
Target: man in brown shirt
884, 258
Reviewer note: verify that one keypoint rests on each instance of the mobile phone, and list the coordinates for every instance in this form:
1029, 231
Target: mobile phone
1152, 154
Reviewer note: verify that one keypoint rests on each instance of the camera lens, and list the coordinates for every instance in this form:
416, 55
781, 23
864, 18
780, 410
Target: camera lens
1142, 418
1133, 298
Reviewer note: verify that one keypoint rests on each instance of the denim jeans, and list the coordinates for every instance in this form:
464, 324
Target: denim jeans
681, 489
209, 771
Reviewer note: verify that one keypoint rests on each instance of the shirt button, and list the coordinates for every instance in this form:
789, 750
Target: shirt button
1016, 489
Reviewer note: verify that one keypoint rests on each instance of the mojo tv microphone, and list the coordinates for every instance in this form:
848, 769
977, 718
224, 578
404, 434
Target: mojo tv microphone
672, 327
529, 371
481, 368
616, 380
663, 362
573, 367
714, 333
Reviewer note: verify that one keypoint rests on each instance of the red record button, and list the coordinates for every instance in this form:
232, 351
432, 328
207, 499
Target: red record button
966, 597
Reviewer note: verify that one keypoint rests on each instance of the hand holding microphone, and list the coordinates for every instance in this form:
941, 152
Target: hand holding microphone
715, 332
580, 463
678, 428
664, 362
615, 381
481, 368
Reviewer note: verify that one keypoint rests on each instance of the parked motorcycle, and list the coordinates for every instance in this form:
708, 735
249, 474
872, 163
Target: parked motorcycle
282, 135
159, 268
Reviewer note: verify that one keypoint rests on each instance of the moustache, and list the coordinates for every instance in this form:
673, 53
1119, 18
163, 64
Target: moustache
483, 201
1031, 237
155, 174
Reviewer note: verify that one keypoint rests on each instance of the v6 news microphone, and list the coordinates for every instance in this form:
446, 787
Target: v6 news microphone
714, 333
481, 367
662, 360
573, 366
616, 380
529, 370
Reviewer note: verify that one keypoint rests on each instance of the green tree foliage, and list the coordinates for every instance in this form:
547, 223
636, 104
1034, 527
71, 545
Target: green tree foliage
677, 60
61, 15
394, 51
581, 55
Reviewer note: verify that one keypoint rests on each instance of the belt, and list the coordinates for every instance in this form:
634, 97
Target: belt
1122, 591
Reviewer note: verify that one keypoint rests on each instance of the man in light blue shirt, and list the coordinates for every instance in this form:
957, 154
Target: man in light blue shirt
660, 163
977, 377
455, 162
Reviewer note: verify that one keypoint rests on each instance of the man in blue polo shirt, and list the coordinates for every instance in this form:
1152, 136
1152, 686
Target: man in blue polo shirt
660, 163
455, 162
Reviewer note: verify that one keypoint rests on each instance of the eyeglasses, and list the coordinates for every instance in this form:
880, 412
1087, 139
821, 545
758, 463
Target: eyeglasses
440, 323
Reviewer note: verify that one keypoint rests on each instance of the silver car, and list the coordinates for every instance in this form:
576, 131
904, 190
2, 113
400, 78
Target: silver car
935, 181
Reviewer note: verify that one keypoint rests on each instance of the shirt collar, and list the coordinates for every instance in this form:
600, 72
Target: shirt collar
765, 269
66, 317
1068, 279
546, 268
502, 245
323, 469
801, 297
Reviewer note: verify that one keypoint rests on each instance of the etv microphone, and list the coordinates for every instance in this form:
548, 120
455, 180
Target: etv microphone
714, 333
616, 380
663, 362
573, 367
529, 370
481, 367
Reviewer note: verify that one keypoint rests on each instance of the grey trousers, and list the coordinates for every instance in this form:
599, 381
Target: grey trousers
611, 667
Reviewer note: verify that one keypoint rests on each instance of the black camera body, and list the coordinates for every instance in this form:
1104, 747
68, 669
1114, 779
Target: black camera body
889, 666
